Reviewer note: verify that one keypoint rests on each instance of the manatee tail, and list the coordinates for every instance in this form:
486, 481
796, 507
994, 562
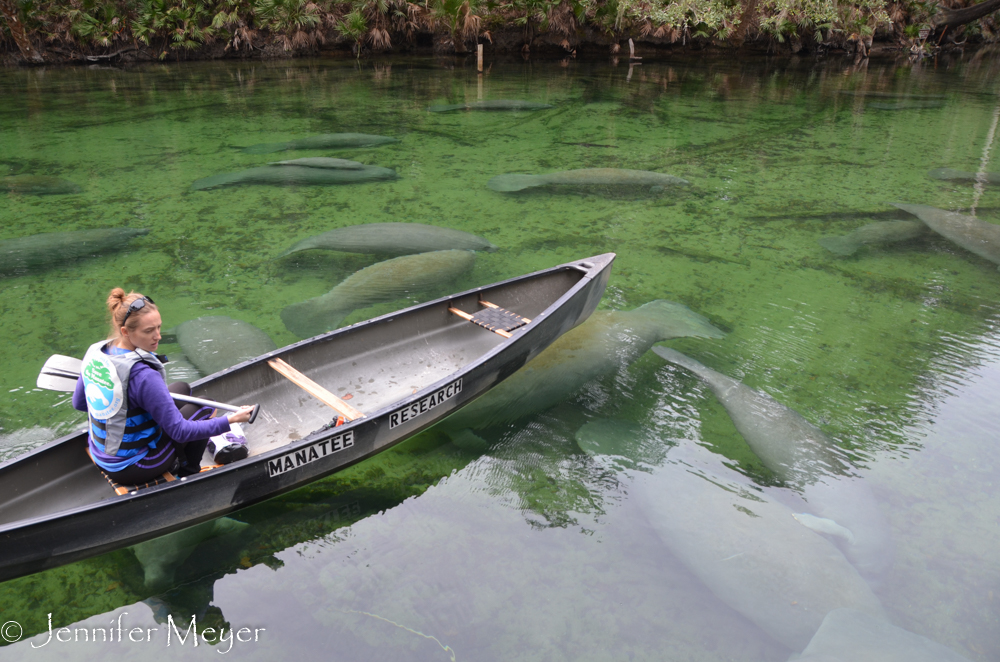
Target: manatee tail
508, 183
444, 108
684, 361
308, 318
916, 210
303, 245
265, 148
843, 246
215, 181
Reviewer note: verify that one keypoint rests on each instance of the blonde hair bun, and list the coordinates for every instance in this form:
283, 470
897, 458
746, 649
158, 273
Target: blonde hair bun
118, 303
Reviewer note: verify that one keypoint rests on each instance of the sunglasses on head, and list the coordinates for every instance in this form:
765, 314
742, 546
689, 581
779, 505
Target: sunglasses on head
136, 306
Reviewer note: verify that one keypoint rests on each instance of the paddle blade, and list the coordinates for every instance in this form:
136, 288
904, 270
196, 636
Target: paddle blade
56, 381
65, 364
59, 373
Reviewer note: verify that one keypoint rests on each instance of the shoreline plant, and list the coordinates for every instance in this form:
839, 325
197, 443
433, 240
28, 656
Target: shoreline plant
66, 30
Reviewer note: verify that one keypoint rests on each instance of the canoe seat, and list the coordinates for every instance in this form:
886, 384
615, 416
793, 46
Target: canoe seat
122, 490
498, 320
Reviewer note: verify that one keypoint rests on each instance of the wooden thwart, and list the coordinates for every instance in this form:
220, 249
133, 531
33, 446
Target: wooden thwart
498, 320
315, 390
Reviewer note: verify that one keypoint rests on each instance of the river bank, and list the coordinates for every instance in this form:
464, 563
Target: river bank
122, 31
506, 45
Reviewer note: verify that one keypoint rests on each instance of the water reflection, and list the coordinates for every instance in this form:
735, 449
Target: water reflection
524, 546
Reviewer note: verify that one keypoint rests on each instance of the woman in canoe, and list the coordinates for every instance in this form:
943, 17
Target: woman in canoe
136, 431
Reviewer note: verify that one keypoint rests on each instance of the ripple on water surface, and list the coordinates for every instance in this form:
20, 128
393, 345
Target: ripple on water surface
515, 543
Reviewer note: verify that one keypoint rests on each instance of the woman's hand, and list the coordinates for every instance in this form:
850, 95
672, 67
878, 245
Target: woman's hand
241, 416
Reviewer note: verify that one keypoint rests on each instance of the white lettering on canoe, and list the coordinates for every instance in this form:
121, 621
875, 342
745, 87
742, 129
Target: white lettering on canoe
425, 404
310, 453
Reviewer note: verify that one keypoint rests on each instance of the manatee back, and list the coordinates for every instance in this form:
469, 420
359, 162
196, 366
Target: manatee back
50, 248
393, 239
322, 162
404, 275
612, 177
38, 185
217, 342
384, 281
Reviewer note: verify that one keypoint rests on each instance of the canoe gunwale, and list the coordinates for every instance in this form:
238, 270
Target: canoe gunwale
250, 478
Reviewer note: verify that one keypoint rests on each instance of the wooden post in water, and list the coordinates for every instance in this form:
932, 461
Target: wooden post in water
479, 65
631, 50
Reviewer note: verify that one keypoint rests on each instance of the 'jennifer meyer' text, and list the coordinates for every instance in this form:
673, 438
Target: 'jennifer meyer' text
170, 634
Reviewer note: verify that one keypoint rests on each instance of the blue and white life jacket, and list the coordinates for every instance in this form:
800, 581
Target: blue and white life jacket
116, 429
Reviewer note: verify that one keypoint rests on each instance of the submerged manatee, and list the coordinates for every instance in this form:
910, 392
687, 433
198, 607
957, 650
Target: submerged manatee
322, 162
838, 504
606, 342
883, 232
951, 175
849, 635
747, 548
323, 141
392, 239
18, 442
905, 105
384, 281
621, 444
586, 177
970, 233
180, 369
161, 557
217, 342
54, 248
37, 185
293, 175
495, 104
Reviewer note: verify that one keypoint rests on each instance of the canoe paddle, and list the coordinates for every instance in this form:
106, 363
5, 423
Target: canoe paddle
61, 372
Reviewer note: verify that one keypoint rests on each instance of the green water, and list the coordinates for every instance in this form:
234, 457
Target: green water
532, 550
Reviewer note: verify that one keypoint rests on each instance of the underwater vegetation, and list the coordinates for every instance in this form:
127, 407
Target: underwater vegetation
866, 350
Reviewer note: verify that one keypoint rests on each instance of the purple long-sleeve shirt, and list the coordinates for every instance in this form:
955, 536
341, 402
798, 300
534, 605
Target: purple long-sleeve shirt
147, 389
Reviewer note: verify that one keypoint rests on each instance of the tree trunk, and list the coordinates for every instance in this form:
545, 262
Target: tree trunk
459, 42
739, 35
953, 18
11, 12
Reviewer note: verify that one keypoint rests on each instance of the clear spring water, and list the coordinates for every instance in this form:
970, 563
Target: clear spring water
532, 550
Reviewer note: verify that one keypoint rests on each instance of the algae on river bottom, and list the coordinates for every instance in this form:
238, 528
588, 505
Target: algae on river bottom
868, 347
